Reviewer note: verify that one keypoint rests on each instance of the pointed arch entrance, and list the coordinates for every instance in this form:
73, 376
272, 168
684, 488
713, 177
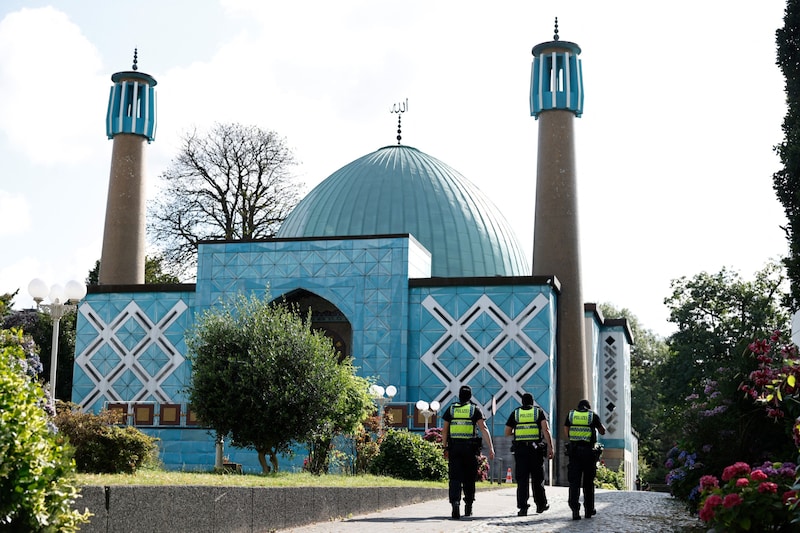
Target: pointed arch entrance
325, 317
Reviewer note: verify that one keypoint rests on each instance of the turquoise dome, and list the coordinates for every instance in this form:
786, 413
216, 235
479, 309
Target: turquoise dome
399, 189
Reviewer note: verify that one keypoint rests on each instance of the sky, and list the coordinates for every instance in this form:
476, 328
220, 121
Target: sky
675, 148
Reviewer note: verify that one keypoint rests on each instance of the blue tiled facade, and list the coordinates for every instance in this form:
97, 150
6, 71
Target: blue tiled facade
426, 336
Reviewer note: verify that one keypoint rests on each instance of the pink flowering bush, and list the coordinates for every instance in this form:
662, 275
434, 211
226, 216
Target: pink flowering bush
776, 385
745, 499
483, 468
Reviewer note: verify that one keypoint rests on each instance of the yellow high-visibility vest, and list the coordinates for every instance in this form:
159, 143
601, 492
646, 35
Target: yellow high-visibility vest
461, 424
580, 429
527, 429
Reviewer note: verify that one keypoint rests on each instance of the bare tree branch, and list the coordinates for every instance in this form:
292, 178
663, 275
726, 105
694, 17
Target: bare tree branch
232, 183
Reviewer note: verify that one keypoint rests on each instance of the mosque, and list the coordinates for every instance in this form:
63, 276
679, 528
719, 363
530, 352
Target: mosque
405, 264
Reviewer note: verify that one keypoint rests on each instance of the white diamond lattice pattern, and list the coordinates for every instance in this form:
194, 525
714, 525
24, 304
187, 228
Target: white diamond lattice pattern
480, 358
114, 337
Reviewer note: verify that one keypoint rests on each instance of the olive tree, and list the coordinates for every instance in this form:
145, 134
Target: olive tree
262, 376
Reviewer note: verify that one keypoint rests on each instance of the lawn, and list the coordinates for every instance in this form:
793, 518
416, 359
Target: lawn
280, 479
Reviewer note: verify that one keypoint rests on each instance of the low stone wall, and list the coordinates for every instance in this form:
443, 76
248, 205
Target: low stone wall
199, 509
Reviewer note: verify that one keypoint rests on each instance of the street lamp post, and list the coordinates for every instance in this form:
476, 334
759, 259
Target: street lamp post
62, 300
377, 393
428, 410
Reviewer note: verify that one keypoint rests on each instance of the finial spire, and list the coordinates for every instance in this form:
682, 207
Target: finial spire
399, 137
555, 35
399, 108
135, 59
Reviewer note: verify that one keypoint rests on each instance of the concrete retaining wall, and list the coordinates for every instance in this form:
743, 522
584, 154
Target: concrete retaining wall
197, 509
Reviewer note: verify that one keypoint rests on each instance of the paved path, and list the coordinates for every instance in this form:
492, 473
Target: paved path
495, 512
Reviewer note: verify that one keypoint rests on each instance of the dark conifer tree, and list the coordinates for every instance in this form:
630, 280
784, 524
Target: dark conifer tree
787, 180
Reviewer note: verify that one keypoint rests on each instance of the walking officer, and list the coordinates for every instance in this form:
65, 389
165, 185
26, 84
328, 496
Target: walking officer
581, 429
532, 443
462, 420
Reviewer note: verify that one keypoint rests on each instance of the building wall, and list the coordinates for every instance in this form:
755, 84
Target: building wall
499, 339
614, 399
130, 347
425, 336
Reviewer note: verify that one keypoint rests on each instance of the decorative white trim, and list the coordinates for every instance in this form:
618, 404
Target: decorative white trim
128, 358
456, 331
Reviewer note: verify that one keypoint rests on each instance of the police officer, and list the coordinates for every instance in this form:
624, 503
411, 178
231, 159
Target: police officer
462, 446
581, 429
532, 443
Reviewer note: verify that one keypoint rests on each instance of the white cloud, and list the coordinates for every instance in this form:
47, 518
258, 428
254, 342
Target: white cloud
50, 82
16, 214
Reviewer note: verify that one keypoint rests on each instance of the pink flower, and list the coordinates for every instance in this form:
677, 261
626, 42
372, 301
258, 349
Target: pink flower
758, 475
715, 500
769, 487
742, 482
731, 500
736, 469
706, 514
790, 496
759, 347
709, 482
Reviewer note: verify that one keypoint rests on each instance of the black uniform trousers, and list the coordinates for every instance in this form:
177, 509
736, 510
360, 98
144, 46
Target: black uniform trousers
581, 471
529, 465
462, 470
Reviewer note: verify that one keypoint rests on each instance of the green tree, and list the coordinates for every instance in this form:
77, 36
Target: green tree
156, 271
233, 182
37, 472
354, 405
786, 181
39, 326
6, 302
261, 376
718, 316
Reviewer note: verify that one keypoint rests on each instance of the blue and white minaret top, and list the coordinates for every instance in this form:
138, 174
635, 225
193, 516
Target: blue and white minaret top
556, 77
132, 104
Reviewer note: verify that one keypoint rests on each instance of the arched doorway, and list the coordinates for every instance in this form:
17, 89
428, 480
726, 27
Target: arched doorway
325, 317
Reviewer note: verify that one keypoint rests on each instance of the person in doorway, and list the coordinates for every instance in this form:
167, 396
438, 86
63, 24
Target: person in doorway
462, 445
532, 443
580, 429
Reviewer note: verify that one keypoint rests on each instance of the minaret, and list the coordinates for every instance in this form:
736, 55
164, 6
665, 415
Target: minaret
130, 121
556, 98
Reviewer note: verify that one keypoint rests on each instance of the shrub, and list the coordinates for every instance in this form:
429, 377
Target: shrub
608, 479
101, 447
406, 455
433, 435
36, 466
684, 476
366, 450
749, 500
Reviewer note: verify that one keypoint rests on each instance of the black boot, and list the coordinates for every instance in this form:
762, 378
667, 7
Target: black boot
468, 509
456, 512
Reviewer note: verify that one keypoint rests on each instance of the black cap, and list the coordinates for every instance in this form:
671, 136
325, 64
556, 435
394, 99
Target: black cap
464, 393
527, 399
584, 405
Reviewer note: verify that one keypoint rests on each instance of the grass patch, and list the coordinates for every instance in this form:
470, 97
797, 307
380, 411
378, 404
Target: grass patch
280, 479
